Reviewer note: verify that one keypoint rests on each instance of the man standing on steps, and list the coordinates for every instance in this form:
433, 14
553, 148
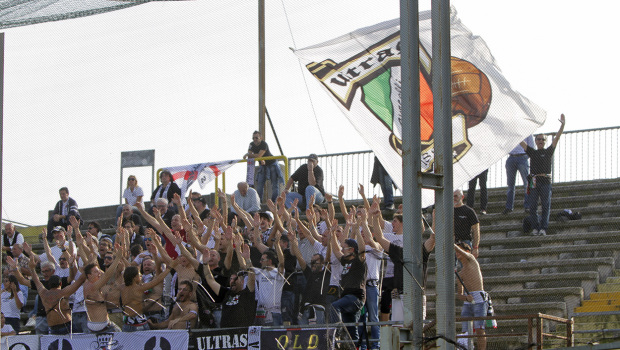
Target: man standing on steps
466, 224
541, 160
470, 290
517, 161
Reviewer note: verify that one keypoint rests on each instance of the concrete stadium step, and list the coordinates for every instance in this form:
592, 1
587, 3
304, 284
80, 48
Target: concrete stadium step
609, 287
564, 238
550, 308
560, 189
584, 225
613, 316
605, 295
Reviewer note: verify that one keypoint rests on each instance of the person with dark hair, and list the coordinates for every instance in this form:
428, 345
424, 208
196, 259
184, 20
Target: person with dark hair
47, 270
96, 305
12, 301
166, 190
268, 169
466, 223
470, 289
309, 178
541, 164
352, 281
55, 300
133, 297
200, 204
64, 208
7, 329
184, 314
269, 286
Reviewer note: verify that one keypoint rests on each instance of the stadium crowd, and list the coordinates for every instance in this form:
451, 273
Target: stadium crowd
182, 266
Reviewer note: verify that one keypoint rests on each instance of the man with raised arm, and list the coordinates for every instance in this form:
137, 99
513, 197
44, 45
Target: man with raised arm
56, 301
133, 295
352, 281
184, 314
541, 164
309, 178
96, 308
470, 289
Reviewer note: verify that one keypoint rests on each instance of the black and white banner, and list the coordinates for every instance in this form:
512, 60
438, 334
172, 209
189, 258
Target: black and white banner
20, 342
256, 338
145, 340
221, 339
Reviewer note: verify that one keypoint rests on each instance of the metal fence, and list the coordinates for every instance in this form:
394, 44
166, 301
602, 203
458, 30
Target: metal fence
581, 155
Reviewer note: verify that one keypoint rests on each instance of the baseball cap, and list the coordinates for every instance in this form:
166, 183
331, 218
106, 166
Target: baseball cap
313, 157
58, 228
266, 214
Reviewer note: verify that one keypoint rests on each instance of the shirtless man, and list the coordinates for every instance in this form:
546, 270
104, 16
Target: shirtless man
133, 294
186, 268
184, 313
153, 296
55, 300
96, 306
475, 298
111, 290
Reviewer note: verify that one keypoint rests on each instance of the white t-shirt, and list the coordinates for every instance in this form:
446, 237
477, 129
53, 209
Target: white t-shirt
132, 197
334, 280
373, 262
56, 252
7, 328
269, 283
9, 308
396, 240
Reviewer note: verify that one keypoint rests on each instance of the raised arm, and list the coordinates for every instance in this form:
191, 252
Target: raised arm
163, 228
559, 133
331, 213
150, 219
223, 204
362, 193
157, 243
186, 253
335, 245
343, 206
20, 278
295, 250
159, 278
110, 271
279, 253
366, 236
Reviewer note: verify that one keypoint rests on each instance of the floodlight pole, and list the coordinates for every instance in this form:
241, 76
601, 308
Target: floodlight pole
411, 334
261, 68
442, 121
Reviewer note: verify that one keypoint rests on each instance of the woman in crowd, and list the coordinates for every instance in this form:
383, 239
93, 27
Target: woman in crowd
132, 194
12, 301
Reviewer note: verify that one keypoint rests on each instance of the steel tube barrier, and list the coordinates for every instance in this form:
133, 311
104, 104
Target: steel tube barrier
581, 155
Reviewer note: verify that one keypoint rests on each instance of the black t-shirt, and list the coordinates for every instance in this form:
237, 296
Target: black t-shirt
353, 277
238, 309
262, 146
464, 218
290, 263
396, 255
314, 280
219, 277
301, 176
40, 308
540, 161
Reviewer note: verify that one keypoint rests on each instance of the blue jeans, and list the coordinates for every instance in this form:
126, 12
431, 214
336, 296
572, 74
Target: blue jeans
542, 190
514, 164
41, 325
347, 309
372, 312
474, 310
471, 192
273, 173
287, 305
303, 201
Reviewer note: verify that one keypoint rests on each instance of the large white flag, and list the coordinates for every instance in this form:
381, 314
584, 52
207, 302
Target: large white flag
185, 175
361, 72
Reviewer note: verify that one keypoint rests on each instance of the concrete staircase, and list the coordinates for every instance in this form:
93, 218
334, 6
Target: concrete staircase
554, 274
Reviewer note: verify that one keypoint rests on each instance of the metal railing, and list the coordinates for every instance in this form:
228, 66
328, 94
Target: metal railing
535, 328
580, 155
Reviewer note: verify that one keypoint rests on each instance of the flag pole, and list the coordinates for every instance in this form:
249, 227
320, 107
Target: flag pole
442, 119
412, 189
